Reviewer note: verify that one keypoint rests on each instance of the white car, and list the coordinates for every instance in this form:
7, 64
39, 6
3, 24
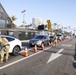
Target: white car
15, 44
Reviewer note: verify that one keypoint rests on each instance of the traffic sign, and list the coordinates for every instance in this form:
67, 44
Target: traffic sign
60, 30
49, 25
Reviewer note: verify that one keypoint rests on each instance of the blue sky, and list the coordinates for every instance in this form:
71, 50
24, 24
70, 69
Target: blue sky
58, 11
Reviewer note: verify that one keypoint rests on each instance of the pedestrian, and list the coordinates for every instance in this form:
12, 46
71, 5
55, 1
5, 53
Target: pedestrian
55, 38
4, 53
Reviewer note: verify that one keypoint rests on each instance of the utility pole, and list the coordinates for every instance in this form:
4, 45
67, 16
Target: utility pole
24, 17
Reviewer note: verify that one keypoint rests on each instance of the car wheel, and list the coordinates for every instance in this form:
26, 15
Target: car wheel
16, 50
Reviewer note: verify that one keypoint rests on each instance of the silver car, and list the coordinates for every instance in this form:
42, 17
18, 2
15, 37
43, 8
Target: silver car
39, 40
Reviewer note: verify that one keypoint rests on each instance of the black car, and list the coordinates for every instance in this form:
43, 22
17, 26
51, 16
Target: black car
39, 40
51, 38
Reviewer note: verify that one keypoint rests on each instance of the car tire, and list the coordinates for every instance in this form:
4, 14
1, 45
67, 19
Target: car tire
16, 50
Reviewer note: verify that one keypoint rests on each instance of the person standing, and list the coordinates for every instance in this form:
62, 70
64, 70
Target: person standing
5, 49
55, 40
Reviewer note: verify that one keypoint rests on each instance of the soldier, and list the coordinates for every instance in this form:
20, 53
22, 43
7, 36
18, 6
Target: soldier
55, 40
5, 49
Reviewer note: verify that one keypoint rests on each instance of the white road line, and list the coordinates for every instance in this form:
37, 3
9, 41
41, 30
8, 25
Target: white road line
21, 59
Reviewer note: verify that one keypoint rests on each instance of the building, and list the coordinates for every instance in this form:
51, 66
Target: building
20, 33
56, 26
37, 21
4, 18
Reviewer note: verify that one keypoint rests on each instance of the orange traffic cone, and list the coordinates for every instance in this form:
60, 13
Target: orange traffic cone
42, 47
35, 49
51, 44
25, 52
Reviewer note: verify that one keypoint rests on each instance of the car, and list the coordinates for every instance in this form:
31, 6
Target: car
60, 37
15, 44
51, 38
66, 37
39, 40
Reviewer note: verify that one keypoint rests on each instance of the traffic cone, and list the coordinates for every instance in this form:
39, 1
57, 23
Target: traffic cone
51, 44
35, 49
25, 52
42, 47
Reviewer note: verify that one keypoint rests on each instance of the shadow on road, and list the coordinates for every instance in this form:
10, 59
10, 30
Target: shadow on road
74, 62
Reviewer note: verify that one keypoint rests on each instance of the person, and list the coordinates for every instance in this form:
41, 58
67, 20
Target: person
55, 38
5, 49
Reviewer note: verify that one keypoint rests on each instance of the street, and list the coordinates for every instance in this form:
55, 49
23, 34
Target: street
59, 60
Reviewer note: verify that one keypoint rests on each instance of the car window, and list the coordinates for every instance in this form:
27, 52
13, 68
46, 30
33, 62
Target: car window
44, 37
59, 35
51, 36
39, 37
9, 39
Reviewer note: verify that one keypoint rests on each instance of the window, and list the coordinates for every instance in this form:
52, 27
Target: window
26, 34
0, 32
0, 15
1, 10
11, 33
2, 23
20, 34
32, 34
10, 39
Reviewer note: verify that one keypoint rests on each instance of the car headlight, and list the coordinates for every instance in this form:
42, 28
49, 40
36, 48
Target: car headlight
39, 42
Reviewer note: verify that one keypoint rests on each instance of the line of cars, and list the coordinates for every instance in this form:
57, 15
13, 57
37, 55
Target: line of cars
16, 44
44, 39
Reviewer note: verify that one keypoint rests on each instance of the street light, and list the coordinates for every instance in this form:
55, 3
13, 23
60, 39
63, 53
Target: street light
74, 32
24, 16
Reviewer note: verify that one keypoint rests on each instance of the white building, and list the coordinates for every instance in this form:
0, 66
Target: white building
56, 26
37, 21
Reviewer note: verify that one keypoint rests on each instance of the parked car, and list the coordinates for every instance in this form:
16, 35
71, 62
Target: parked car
15, 44
66, 37
39, 40
60, 37
51, 38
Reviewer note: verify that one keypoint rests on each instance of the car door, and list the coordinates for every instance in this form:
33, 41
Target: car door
46, 39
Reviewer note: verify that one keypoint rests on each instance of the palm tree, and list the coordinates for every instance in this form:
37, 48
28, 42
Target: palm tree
12, 25
13, 18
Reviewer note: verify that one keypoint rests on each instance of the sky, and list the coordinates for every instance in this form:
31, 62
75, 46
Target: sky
58, 11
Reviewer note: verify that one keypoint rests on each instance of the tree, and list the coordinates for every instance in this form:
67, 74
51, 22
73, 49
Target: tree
13, 18
12, 25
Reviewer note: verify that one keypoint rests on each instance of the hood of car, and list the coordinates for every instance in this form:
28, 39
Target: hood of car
34, 40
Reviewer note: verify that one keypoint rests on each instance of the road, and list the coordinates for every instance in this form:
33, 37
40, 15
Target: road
58, 60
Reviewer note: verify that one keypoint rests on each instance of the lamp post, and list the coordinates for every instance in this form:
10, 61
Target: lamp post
24, 16
74, 32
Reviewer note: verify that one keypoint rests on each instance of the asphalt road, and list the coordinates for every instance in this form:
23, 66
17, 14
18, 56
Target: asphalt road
58, 60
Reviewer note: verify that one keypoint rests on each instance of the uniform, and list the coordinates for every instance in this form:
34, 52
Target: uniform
55, 40
5, 49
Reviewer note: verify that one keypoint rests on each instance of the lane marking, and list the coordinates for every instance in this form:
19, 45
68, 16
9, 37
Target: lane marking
67, 45
22, 59
55, 55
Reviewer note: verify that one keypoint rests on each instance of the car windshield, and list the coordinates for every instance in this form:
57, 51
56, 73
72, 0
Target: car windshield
39, 37
59, 35
51, 36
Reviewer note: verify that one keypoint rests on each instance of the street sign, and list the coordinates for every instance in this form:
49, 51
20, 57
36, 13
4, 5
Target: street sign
49, 25
60, 30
